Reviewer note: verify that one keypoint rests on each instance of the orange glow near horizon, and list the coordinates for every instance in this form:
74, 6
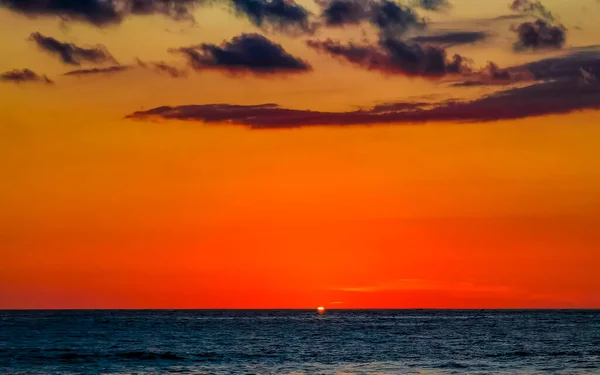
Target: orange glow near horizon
100, 211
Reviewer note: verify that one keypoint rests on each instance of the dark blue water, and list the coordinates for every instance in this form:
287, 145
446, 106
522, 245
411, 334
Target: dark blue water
299, 342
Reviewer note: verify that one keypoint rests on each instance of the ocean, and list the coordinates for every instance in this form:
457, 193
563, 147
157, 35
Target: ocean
300, 342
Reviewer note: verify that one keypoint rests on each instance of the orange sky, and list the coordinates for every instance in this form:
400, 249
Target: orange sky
99, 211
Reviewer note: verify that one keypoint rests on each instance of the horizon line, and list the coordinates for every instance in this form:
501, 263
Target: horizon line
314, 309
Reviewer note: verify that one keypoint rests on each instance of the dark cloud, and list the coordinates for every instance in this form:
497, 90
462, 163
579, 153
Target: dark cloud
555, 97
557, 85
422, 60
179, 10
390, 55
281, 15
545, 32
94, 71
564, 67
246, 53
345, 12
23, 76
539, 34
393, 19
433, 4
574, 67
70, 53
532, 8
101, 12
163, 67
493, 75
366, 56
393, 56
452, 38
474, 83
390, 18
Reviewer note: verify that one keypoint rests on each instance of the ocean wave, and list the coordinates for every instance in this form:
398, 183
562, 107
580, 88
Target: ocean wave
208, 356
69, 355
142, 355
452, 365
562, 353
518, 353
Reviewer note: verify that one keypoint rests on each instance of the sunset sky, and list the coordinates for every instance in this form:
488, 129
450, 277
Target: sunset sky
344, 153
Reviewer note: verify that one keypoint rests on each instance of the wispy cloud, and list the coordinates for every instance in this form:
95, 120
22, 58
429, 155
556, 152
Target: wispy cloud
163, 67
452, 38
70, 53
428, 285
94, 71
564, 68
24, 76
154, 66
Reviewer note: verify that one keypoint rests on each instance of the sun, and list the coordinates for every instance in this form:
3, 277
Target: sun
320, 309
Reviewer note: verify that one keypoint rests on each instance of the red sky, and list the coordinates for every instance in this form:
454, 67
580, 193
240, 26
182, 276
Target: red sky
489, 203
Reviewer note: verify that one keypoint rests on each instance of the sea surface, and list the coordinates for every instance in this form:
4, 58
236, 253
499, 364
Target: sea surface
300, 342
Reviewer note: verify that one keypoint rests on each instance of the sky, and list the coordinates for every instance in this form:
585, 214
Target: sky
269, 154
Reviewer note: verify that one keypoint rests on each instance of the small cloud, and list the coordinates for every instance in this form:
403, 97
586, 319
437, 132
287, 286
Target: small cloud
94, 71
280, 15
539, 35
337, 13
493, 75
433, 5
70, 53
393, 19
163, 67
246, 53
24, 76
532, 8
